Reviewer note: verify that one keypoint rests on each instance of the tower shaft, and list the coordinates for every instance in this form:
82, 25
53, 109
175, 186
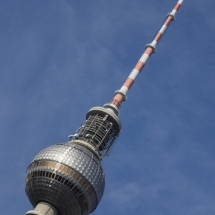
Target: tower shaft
43, 208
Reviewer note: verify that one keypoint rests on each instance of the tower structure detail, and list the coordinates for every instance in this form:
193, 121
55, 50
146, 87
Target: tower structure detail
67, 178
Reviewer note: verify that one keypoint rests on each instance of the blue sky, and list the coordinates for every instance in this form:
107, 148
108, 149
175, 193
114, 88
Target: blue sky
60, 58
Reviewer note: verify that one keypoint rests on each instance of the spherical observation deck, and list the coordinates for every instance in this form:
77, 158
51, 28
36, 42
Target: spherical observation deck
68, 176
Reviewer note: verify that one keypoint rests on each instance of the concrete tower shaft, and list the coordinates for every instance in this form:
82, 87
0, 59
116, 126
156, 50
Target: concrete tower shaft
43, 208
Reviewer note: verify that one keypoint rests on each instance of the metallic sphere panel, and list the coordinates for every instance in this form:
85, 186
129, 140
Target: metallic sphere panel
69, 170
80, 159
54, 193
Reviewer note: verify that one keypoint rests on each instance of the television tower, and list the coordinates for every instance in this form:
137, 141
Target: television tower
67, 178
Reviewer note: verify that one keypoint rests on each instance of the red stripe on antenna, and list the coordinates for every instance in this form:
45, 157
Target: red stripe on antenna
168, 20
128, 83
139, 66
148, 51
117, 100
177, 6
158, 36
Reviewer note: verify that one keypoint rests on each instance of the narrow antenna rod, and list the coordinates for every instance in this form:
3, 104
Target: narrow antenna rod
120, 95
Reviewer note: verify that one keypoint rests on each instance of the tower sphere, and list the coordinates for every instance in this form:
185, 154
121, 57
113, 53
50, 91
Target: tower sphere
68, 176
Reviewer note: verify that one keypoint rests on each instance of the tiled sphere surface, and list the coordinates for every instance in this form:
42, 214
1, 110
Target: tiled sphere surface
69, 176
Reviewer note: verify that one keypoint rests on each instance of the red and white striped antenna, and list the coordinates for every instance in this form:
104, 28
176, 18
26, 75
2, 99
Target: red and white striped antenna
121, 94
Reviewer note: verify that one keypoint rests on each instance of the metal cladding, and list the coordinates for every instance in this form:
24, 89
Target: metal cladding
69, 176
68, 179
121, 94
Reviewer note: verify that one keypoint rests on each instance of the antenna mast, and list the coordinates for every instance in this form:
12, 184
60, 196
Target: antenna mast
121, 94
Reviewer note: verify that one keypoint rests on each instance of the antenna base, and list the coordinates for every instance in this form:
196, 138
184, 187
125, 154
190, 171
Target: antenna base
121, 93
112, 107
